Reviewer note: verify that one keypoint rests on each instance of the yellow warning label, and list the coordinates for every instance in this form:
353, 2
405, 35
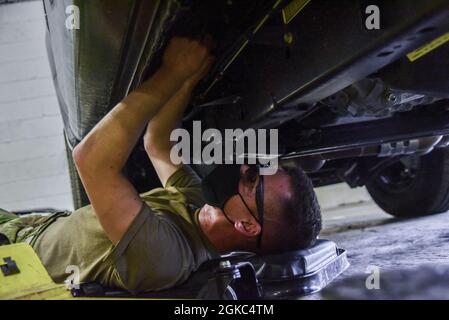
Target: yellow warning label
292, 10
418, 53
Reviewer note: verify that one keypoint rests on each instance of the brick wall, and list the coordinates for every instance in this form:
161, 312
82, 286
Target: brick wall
33, 168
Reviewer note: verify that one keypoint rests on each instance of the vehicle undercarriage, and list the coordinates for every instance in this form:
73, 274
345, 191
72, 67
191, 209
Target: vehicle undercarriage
352, 104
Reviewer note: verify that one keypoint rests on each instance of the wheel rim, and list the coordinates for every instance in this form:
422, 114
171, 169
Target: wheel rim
399, 176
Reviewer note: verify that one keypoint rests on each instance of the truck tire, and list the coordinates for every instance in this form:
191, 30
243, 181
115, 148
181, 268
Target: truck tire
413, 186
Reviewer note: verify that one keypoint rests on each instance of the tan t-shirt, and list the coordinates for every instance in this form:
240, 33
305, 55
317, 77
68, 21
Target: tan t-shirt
162, 247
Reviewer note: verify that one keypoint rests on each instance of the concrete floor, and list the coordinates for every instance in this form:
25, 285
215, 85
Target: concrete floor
414, 249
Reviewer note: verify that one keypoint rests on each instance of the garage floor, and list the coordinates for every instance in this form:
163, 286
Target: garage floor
400, 249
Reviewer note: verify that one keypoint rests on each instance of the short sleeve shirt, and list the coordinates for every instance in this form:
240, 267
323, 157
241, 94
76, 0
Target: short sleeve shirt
161, 248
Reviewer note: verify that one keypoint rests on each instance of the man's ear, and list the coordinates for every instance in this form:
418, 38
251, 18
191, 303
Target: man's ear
248, 228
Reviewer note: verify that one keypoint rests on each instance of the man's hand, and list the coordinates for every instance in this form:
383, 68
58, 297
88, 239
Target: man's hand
184, 57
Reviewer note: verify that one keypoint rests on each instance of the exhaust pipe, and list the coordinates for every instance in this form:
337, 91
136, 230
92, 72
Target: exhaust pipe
419, 146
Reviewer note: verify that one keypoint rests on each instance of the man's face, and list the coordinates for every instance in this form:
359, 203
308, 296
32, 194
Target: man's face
243, 207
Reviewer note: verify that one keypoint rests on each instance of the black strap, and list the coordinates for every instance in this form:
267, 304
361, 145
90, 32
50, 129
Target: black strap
260, 208
4, 240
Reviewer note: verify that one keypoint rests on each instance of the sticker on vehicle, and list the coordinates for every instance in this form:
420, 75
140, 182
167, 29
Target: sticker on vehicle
420, 52
292, 10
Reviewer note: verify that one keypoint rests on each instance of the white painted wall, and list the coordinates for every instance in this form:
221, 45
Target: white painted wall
33, 168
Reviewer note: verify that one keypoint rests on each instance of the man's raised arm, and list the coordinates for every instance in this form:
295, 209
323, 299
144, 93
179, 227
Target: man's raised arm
157, 138
102, 154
